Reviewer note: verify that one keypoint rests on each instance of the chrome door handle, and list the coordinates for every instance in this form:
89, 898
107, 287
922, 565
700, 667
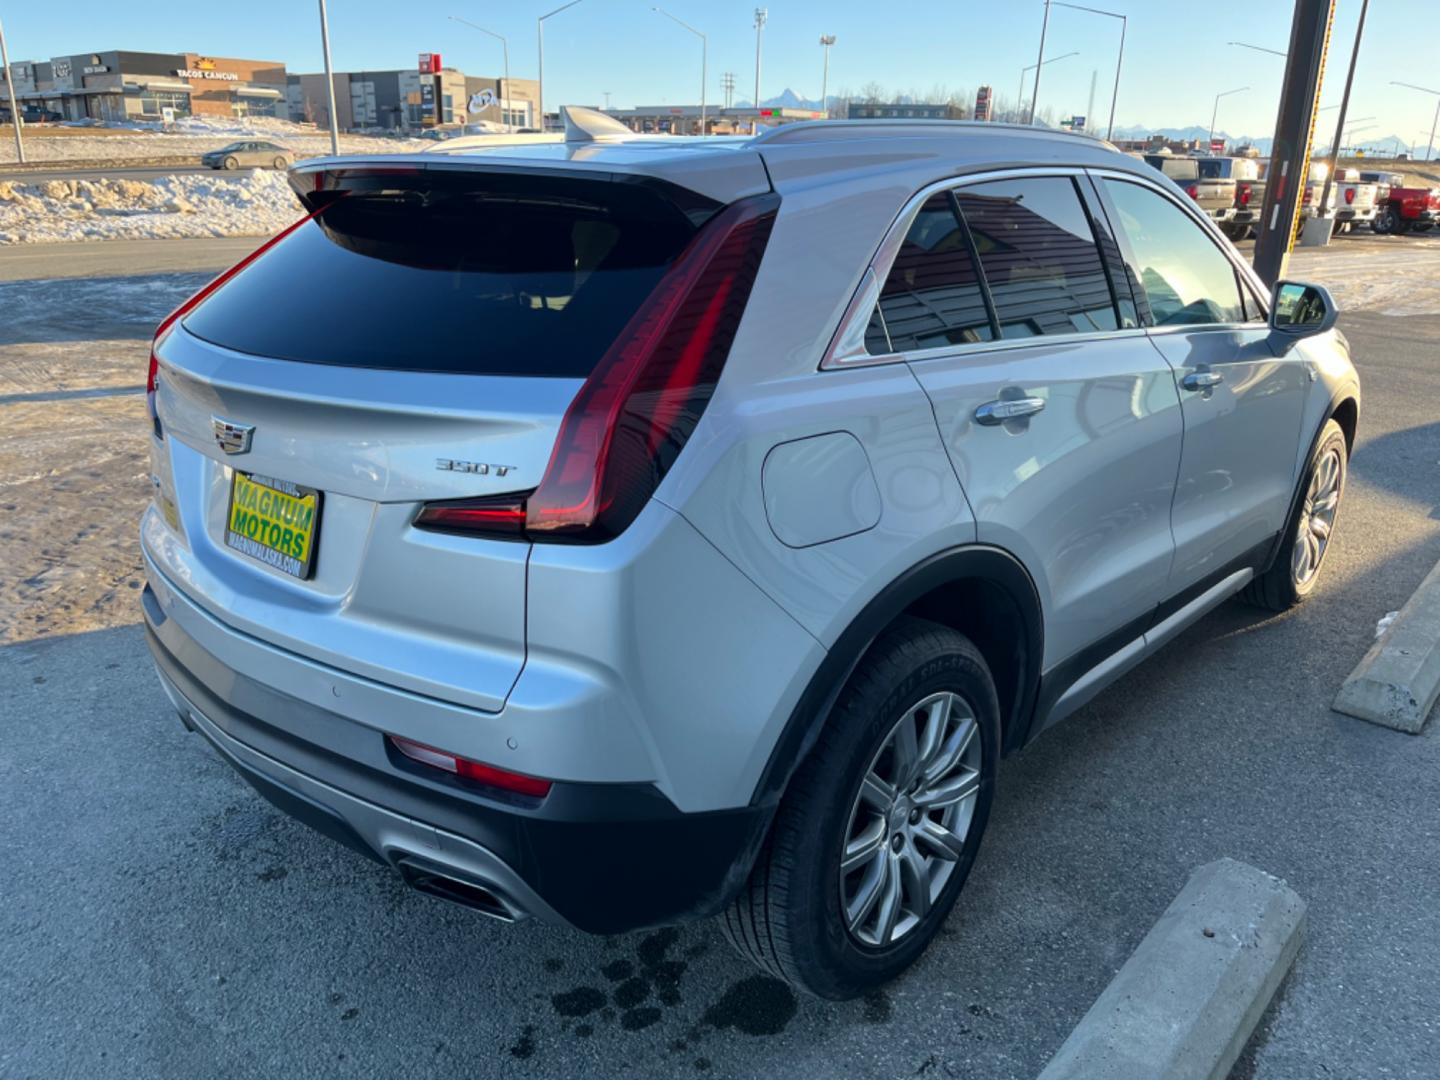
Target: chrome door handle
1202, 380
997, 412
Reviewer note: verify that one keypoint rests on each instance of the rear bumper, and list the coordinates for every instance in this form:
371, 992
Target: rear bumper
603, 858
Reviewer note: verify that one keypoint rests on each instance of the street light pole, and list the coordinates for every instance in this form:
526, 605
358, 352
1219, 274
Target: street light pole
1124, 23
1039, 63
704, 50
1020, 99
540, 40
329, 80
14, 108
1344, 106
1430, 146
505, 49
1216, 111
826, 40
761, 15
1257, 48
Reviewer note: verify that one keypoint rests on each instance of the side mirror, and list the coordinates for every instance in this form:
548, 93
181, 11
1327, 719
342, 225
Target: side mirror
1298, 310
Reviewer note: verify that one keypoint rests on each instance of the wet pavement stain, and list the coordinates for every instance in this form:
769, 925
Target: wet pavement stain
758, 1005
878, 1009
581, 1001
639, 1019
618, 970
524, 1046
552, 964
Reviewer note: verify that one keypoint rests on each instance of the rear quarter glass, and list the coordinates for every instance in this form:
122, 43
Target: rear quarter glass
481, 274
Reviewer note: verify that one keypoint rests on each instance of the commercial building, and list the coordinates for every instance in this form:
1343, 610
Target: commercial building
121, 85
685, 119
915, 110
398, 99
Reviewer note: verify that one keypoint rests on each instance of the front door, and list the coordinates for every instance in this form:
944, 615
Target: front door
1060, 418
1241, 403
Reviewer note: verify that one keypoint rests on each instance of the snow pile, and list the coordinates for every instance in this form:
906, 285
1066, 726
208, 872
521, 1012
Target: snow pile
195, 136
256, 203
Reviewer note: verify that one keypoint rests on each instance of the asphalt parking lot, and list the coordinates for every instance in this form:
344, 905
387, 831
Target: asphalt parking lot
158, 919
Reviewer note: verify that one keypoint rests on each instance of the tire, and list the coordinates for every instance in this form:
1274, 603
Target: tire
280, 163
1235, 233
1386, 221
231, 163
1426, 227
1282, 587
789, 918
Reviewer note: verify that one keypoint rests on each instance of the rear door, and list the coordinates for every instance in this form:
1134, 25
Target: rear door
1242, 405
1061, 421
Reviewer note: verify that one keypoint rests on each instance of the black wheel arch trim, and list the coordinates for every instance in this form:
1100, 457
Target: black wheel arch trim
970, 562
1339, 398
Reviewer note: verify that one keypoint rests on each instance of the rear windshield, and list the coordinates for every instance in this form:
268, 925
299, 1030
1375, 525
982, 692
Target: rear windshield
482, 274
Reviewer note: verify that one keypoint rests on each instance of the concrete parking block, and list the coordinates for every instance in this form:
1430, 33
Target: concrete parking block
1398, 680
1186, 1001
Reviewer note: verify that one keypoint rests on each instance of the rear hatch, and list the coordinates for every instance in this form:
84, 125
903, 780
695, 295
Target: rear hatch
418, 339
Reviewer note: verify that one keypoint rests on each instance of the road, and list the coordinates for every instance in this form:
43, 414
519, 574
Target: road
157, 918
109, 172
115, 258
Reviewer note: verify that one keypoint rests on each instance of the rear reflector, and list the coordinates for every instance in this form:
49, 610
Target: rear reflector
1193, 191
472, 770
1349, 195
635, 412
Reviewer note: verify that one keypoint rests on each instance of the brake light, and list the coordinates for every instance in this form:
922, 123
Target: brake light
1245, 195
152, 377
635, 412
1193, 191
476, 771
1349, 195
1307, 196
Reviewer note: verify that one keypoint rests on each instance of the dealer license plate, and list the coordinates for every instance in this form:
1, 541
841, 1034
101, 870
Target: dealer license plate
274, 521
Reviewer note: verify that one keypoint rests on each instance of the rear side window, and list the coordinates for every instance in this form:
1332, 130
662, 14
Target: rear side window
932, 297
476, 273
1039, 256
1186, 278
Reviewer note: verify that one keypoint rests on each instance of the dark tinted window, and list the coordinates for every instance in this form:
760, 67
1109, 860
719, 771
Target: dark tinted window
1039, 255
474, 273
1186, 278
932, 296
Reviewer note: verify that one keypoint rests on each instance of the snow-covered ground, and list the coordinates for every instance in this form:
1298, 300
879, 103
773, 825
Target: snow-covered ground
255, 203
1387, 275
190, 136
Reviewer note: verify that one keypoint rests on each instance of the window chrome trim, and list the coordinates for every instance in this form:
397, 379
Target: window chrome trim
857, 312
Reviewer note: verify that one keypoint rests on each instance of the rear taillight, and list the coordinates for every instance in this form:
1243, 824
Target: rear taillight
1307, 196
474, 771
152, 378
630, 419
1349, 195
1193, 191
1245, 195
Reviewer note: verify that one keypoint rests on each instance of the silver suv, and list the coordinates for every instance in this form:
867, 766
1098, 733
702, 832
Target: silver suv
623, 531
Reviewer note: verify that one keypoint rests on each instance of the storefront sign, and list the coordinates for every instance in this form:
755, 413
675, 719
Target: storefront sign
60, 69
198, 73
982, 103
94, 69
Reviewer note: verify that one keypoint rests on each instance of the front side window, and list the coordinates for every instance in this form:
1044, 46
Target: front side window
932, 296
1186, 278
1039, 256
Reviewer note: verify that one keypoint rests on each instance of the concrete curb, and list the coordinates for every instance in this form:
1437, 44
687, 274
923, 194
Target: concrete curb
1187, 1000
1397, 681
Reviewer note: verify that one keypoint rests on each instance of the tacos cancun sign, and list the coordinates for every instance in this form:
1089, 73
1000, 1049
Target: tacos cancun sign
196, 73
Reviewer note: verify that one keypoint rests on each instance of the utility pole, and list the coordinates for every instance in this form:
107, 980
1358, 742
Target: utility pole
14, 108
727, 85
329, 80
1039, 63
1344, 107
761, 16
826, 40
1090, 108
1294, 128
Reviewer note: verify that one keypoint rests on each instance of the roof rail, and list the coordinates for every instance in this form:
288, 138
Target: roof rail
819, 130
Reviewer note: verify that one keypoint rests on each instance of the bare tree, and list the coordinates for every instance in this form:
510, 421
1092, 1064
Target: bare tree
871, 93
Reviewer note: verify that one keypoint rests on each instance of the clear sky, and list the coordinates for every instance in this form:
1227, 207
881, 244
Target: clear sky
1176, 53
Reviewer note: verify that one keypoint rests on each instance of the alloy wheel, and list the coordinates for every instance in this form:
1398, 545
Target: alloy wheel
1317, 518
910, 819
